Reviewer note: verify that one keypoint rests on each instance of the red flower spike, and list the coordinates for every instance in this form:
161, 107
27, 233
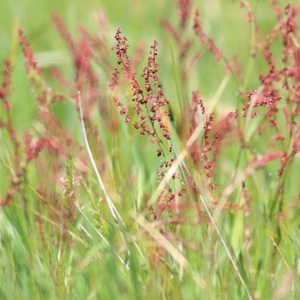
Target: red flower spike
182, 192
28, 53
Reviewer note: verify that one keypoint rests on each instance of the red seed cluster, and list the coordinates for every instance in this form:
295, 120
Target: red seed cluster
31, 62
82, 53
269, 100
185, 11
148, 110
150, 104
63, 30
6, 84
205, 40
6, 124
267, 158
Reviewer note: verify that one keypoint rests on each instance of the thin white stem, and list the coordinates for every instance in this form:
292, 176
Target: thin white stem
112, 208
225, 247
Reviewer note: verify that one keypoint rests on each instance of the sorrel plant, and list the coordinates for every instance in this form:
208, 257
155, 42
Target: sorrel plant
165, 192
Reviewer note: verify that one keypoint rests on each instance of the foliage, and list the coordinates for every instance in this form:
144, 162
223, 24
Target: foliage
141, 176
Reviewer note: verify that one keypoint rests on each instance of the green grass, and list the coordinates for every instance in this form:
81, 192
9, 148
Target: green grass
59, 238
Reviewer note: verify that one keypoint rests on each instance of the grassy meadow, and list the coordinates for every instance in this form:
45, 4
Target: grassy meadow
149, 149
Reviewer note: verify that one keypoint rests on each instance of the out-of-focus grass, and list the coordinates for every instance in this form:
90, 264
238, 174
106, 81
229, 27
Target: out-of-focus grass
43, 262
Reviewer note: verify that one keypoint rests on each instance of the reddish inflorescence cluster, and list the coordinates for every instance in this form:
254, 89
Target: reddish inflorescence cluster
150, 103
150, 107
